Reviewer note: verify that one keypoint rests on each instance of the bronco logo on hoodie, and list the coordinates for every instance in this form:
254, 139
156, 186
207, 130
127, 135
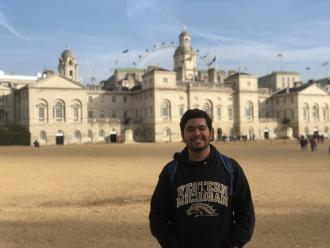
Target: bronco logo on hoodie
201, 209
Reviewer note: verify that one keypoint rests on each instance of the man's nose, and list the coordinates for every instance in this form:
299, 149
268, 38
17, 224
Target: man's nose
196, 131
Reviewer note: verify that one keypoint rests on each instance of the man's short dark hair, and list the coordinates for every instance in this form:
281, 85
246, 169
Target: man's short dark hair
195, 113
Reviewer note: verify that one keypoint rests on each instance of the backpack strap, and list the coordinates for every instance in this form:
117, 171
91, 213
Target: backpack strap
171, 171
230, 168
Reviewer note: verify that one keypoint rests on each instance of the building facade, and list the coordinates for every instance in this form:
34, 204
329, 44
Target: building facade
146, 104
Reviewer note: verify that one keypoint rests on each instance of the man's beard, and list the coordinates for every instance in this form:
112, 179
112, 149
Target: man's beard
198, 148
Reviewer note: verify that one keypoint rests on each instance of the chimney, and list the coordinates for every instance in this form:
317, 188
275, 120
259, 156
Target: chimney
212, 75
287, 89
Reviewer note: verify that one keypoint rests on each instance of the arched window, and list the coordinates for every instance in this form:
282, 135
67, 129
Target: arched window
42, 110
167, 134
90, 133
76, 110
249, 111
77, 135
166, 110
325, 113
306, 130
101, 133
230, 112
315, 112
219, 110
181, 110
59, 111
326, 131
43, 135
306, 112
208, 108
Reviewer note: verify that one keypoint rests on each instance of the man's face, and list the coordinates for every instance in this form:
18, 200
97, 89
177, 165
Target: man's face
196, 134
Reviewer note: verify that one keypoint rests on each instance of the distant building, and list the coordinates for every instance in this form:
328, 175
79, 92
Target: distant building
146, 104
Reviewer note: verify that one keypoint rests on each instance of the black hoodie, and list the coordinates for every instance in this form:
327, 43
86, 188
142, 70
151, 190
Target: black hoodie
195, 209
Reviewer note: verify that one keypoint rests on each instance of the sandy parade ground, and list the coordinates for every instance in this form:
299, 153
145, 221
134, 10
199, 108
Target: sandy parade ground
98, 196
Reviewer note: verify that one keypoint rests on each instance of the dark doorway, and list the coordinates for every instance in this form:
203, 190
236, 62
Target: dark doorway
113, 138
60, 140
219, 136
266, 134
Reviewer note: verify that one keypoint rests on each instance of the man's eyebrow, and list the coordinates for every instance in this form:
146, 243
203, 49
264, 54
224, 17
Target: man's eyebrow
196, 126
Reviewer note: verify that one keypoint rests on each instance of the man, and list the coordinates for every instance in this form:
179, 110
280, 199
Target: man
202, 199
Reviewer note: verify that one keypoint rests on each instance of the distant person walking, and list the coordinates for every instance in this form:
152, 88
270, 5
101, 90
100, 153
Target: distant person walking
313, 144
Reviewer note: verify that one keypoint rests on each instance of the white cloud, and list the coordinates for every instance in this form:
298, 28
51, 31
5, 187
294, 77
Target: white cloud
4, 22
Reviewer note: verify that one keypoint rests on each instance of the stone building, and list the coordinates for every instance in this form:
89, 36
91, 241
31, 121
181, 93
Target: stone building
146, 104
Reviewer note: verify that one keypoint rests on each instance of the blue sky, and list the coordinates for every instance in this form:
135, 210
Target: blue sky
245, 35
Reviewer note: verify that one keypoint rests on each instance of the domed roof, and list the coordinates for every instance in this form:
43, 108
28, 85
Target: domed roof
67, 53
183, 50
184, 33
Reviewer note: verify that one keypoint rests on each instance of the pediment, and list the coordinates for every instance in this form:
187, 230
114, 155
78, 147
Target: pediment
4, 87
314, 90
56, 82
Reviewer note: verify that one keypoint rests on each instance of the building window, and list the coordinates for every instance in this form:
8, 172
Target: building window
2, 115
306, 112
165, 80
207, 107
90, 133
43, 135
101, 133
181, 110
230, 113
166, 110
325, 113
90, 114
41, 113
113, 114
77, 134
249, 111
277, 115
219, 112
125, 99
90, 99
102, 114
59, 111
113, 99
76, 113
315, 112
